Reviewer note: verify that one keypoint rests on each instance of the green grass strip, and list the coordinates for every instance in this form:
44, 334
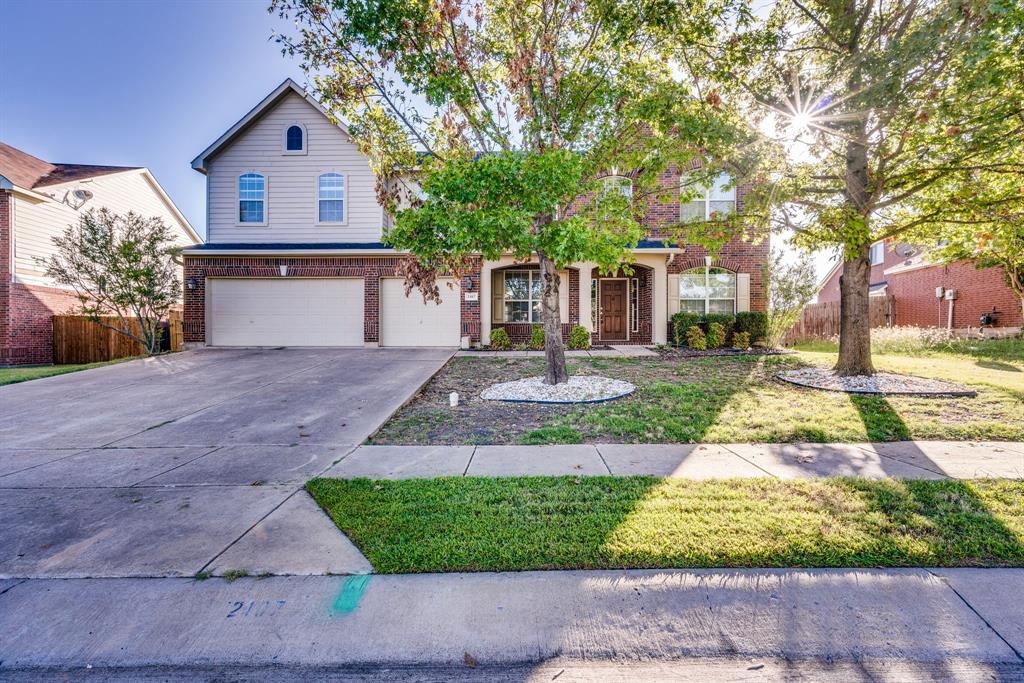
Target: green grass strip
520, 523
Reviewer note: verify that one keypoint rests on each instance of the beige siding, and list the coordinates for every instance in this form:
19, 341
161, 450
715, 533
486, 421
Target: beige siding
291, 208
37, 223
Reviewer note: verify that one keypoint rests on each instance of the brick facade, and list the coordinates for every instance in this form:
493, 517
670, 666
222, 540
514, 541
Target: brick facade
978, 292
370, 268
26, 311
520, 333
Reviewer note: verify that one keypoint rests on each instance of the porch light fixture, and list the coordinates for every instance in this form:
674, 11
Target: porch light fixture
469, 283
191, 284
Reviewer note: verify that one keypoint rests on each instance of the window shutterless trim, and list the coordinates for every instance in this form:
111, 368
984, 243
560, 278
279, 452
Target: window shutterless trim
316, 197
284, 139
265, 200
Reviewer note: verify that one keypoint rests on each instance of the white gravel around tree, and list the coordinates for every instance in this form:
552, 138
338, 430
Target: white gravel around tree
579, 389
879, 383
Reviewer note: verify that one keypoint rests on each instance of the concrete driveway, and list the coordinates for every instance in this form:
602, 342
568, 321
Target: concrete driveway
173, 465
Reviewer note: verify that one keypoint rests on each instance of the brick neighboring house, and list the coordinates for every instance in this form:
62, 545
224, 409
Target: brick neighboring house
899, 270
294, 255
38, 200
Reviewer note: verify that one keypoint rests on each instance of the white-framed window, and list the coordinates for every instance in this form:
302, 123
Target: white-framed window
330, 196
618, 183
877, 253
252, 198
707, 290
717, 200
523, 292
293, 139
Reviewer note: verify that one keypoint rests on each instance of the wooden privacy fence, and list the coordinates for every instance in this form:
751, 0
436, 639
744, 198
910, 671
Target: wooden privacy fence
821, 321
76, 339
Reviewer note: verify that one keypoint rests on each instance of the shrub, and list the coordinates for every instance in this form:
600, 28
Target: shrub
500, 341
726, 321
537, 337
753, 323
695, 338
579, 338
741, 340
715, 336
681, 323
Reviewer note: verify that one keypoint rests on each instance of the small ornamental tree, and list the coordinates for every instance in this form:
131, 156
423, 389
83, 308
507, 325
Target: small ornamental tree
790, 286
121, 266
485, 122
889, 107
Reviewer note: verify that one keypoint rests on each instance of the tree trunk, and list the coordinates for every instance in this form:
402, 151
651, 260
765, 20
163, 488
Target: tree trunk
855, 317
855, 282
554, 349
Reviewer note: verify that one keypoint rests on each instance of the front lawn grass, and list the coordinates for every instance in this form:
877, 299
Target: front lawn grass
520, 523
16, 374
715, 400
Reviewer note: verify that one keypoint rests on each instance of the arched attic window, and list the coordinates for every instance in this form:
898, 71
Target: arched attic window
294, 139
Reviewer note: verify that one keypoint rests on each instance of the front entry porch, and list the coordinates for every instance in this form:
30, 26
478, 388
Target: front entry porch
624, 307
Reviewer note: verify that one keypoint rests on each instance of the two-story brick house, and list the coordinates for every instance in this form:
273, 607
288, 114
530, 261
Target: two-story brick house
38, 200
294, 255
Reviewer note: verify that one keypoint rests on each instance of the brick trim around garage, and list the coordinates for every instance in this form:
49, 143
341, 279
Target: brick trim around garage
370, 268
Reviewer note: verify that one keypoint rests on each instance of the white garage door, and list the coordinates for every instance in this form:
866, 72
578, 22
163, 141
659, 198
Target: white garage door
407, 321
284, 312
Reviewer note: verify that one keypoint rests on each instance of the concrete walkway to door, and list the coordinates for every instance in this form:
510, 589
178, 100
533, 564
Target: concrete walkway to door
191, 462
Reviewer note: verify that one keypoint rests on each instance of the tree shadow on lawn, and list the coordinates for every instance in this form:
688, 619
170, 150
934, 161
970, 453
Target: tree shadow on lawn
523, 523
881, 421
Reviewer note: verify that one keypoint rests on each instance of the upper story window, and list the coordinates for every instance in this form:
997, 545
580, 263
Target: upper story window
619, 183
294, 139
707, 290
252, 194
710, 202
331, 198
877, 253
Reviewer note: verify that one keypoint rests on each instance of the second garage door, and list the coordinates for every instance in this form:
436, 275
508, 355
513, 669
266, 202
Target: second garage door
284, 312
407, 321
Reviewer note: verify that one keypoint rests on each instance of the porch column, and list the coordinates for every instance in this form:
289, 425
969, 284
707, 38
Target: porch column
586, 282
659, 295
485, 301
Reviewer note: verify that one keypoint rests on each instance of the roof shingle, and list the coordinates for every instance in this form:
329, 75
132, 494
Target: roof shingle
25, 170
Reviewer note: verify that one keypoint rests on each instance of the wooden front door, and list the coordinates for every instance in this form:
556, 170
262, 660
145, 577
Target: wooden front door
613, 310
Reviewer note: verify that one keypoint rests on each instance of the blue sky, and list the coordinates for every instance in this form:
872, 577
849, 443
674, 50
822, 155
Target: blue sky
144, 83
139, 83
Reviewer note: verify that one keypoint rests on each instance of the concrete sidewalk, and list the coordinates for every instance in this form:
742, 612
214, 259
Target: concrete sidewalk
903, 460
878, 624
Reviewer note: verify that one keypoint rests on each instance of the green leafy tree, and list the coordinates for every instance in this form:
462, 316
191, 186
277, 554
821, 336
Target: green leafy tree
790, 286
889, 107
122, 266
486, 121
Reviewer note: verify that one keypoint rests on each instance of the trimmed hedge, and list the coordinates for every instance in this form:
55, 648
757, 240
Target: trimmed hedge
753, 323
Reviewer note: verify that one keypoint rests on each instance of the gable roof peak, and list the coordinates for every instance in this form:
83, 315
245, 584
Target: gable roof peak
286, 87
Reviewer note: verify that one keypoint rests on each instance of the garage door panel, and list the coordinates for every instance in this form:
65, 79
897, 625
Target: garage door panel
285, 312
408, 321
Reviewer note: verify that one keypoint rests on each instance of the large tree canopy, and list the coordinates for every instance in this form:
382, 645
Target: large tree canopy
486, 121
897, 108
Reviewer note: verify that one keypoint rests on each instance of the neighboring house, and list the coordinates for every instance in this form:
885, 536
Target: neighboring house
925, 294
38, 200
294, 255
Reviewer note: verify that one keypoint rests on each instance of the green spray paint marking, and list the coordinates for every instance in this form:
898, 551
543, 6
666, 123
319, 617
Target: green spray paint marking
351, 593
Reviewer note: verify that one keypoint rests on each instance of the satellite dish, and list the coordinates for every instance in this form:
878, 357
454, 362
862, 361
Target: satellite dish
82, 195
904, 250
